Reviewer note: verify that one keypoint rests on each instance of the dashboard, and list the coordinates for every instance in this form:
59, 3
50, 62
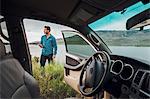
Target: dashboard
129, 78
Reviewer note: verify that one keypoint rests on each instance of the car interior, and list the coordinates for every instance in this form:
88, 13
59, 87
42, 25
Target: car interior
119, 76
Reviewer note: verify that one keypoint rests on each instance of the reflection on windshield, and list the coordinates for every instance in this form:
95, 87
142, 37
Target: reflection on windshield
132, 43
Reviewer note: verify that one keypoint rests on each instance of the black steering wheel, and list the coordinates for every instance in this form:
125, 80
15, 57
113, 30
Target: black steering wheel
93, 73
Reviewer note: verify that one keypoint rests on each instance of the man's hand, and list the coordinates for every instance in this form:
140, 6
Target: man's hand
41, 45
54, 56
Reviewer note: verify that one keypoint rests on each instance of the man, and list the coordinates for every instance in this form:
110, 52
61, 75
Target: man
48, 45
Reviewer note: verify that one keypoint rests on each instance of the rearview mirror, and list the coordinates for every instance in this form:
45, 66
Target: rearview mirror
139, 21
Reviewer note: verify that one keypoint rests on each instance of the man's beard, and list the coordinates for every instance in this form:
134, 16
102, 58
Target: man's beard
46, 33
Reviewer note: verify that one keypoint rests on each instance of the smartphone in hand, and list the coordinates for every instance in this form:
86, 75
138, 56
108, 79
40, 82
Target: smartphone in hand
41, 45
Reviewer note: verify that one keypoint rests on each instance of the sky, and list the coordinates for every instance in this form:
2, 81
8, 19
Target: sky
116, 20
34, 29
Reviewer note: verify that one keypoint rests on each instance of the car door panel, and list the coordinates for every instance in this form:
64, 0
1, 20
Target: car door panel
78, 49
74, 63
72, 79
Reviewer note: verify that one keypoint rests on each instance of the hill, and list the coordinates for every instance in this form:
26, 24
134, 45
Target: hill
115, 38
126, 38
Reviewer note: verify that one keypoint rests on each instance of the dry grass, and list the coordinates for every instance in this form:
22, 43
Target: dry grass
51, 81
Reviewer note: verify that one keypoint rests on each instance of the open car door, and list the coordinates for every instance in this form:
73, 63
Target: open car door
78, 49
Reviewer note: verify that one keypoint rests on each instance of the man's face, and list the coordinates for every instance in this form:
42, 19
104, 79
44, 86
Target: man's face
46, 31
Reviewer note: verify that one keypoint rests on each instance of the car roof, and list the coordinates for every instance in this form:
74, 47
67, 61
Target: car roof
77, 12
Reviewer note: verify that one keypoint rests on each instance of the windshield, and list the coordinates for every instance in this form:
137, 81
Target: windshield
131, 43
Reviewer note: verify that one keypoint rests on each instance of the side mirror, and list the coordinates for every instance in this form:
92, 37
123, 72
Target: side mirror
139, 21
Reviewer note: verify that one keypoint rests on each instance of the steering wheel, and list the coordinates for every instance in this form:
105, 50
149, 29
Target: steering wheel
93, 73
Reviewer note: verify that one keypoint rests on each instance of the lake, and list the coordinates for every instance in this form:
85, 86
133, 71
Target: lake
130, 51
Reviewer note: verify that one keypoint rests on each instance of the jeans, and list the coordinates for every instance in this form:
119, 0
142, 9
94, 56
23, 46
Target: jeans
44, 58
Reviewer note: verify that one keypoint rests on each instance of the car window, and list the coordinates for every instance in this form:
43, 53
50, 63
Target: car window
76, 44
5, 33
34, 32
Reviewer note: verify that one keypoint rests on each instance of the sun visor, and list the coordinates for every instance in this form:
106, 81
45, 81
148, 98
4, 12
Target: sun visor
83, 13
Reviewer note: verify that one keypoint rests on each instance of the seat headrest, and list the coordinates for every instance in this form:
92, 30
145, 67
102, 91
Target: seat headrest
2, 48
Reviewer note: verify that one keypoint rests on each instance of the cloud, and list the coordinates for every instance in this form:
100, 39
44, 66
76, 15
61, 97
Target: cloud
119, 25
34, 29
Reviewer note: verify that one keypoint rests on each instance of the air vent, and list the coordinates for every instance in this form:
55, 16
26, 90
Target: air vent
138, 77
94, 40
146, 83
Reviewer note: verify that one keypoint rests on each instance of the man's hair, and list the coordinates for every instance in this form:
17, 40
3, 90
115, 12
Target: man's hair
48, 28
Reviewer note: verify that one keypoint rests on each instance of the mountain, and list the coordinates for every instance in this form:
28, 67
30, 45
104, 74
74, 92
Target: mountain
114, 38
126, 38
35, 42
59, 40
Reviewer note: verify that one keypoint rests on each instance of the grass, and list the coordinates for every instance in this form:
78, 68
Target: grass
52, 84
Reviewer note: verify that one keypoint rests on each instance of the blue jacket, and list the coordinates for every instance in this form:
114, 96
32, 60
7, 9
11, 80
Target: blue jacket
49, 45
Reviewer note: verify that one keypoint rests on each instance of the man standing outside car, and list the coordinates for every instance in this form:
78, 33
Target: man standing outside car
48, 45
